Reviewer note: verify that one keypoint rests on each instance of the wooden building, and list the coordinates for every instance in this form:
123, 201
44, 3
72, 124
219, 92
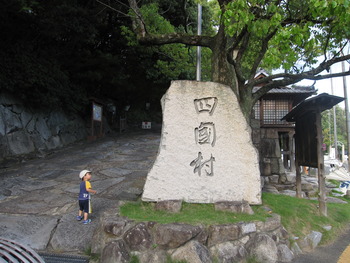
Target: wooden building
273, 137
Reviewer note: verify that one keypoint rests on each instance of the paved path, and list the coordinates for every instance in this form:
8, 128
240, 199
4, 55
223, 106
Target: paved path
38, 198
328, 254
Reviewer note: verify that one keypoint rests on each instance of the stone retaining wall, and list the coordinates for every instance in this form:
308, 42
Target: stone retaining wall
118, 238
24, 131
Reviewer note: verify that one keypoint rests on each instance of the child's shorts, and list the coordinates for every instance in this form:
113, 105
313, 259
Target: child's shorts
84, 205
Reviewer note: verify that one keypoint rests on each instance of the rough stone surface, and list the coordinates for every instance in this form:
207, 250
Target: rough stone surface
294, 247
38, 197
284, 253
115, 225
138, 238
270, 189
228, 252
270, 224
193, 252
23, 131
28, 228
235, 207
196, 163
262, 248
115, 252
247, 228
223, 233
173, 206
67, 237
154, 256
311, 241
174, 235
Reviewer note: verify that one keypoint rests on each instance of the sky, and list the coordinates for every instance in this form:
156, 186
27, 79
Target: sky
326, 84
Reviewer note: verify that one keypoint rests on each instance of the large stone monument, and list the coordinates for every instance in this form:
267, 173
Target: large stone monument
206, 154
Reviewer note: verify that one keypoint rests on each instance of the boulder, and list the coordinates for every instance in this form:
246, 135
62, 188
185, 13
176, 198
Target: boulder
223, 233
154, 256
294, 247
115, 225
241, 207
270, 189
193, 252
172, 206
228, 252
262, 248
247, 228
271, 223
168, 236
115, 252
311, 241
284, 253
138, 238
196, 163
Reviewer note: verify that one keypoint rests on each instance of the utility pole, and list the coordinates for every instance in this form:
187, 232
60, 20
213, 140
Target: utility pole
346, 111
199, 48
334, 122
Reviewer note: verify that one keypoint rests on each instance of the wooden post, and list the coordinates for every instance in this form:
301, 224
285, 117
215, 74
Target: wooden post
292, 151
298, 178
320, 166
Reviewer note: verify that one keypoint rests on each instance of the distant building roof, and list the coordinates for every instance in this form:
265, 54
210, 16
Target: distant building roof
290, 90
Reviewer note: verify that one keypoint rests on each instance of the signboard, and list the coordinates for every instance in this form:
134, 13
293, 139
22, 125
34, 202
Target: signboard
96, 112
146, 125
96, 118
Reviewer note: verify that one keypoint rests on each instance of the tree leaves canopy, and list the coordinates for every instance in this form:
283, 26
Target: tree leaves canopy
291, 35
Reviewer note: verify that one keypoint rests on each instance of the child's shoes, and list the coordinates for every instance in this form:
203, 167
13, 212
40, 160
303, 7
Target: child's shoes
79, 218
85, 222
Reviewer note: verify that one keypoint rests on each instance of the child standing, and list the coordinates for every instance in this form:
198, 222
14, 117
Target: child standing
84, 196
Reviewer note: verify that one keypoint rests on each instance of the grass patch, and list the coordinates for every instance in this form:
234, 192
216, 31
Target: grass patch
301, 216
92, 256
190, 213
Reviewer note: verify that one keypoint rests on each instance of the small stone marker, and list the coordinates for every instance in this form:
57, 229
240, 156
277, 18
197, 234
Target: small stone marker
206, 154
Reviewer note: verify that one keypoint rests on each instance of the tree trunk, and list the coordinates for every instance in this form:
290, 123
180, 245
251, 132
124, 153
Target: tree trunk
222, 71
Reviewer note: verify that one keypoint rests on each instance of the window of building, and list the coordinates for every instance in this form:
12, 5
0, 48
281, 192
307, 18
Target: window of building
273, 111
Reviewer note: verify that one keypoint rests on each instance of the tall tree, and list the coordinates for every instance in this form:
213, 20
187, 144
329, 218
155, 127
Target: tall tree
287, 34
59, 53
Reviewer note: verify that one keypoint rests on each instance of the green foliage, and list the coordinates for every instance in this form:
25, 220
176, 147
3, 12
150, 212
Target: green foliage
328, 127
57, 54
170, 260
92, 256
304, 29
134, 259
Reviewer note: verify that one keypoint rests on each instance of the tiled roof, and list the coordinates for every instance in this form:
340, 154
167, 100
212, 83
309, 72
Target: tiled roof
290, 90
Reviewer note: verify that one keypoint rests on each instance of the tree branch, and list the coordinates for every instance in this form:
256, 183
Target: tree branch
233, 48
284, 79
137, 21
264, 47
311, 74
112, 8
191, 40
